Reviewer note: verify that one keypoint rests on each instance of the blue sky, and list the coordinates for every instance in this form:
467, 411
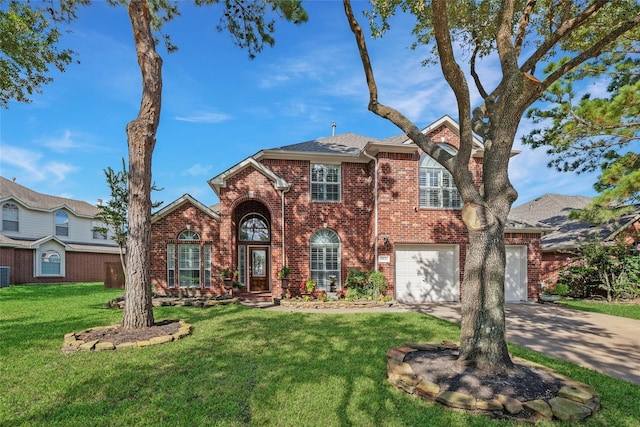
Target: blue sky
220, 107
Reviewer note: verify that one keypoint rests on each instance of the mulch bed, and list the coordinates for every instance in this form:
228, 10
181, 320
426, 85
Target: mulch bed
118, 335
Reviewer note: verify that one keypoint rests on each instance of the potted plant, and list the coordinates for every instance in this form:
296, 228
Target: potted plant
283, 274
227, 277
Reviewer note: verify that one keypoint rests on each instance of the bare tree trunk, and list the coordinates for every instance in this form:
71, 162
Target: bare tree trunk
483, 332
141, 138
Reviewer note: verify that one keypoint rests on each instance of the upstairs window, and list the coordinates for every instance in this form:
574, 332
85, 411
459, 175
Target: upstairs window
325, 183
10, 217
62, 223
437, 189
97, 235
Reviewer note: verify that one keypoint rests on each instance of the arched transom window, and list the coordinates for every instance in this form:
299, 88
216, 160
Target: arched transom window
188, 235
325, 258
254, 228
437, 189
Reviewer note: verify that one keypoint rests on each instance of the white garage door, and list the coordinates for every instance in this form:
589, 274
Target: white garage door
515, 282
427, 273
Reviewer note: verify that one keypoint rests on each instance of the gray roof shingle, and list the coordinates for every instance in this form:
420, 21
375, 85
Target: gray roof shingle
35, 200
553, 210
343, 144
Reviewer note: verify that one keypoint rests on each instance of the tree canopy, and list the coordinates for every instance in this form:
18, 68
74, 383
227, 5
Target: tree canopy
28, 49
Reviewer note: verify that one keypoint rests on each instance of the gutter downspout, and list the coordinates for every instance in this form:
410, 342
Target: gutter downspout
375, 203
284, 255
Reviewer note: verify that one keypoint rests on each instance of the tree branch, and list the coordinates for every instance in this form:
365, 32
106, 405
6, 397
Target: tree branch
524, 23
565, 28
592, 52
391, 114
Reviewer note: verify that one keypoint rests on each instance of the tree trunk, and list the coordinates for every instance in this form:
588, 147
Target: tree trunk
483, 332
141, 138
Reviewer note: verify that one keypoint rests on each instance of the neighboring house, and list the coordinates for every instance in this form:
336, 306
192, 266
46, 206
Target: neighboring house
563, 240
48, 239
325, 206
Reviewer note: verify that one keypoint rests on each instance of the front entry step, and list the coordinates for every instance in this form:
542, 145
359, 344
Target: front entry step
255, 296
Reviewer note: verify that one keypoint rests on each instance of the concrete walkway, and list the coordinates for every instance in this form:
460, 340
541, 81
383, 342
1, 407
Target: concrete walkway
606, 344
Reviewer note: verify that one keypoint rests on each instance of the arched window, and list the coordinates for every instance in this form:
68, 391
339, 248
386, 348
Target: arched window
325, 258
188, 235
254, 228
50, 263
62, 223
437, 189
10, 217
189, 260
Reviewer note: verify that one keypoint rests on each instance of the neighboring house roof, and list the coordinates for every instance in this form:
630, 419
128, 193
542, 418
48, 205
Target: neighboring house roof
106, 248
9, 190
553, 210
180, 202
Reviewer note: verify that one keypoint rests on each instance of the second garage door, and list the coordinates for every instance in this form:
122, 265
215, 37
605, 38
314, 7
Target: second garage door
427, 273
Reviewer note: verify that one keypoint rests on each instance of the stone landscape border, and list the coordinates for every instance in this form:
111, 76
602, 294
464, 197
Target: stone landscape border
339, 304
72, 343
574, 401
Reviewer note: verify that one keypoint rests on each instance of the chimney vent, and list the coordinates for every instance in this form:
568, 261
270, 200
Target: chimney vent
333, 129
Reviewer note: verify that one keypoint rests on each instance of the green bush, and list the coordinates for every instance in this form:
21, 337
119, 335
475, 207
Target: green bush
611, 267
365, 284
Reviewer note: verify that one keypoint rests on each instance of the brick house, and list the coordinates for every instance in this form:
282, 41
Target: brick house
325, 206
49, 239
564, 236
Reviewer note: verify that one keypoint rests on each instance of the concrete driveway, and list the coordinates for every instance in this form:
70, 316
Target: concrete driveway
607, 344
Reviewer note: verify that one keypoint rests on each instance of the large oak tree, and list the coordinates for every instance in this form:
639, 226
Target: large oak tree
522, 37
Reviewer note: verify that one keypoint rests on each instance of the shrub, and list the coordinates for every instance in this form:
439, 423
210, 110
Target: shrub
612, 267
365, 284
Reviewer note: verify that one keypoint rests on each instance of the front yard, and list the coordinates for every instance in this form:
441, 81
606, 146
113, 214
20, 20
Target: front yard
240, 366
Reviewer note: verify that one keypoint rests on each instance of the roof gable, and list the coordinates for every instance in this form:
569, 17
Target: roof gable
220, 181
29, 199
179, 203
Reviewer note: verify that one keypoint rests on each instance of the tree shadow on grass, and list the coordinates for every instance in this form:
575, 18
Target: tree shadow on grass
245, 366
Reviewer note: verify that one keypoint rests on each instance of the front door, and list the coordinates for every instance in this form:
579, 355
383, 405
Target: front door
259, 269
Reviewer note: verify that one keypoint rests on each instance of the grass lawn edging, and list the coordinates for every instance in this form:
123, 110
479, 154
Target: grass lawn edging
575, 401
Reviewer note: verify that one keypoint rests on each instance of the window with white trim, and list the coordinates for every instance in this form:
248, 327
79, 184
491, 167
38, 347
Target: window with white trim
50, 263
188, 260
207, 265
62, 223
10, 217
325, 258
437, 189
325, 183
171, 265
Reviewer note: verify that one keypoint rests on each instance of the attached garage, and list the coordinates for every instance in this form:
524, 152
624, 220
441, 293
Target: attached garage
427, 273
515, 282
430, 273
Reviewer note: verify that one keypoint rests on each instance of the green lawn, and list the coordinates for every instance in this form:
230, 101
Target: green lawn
241, 366
631, 311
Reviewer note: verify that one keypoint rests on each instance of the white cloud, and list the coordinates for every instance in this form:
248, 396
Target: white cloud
204, 117
198, 170
32, 164
62, 143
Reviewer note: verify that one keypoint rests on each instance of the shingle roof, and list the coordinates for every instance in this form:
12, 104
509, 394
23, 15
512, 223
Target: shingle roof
553, 210
35, 200
345, 144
